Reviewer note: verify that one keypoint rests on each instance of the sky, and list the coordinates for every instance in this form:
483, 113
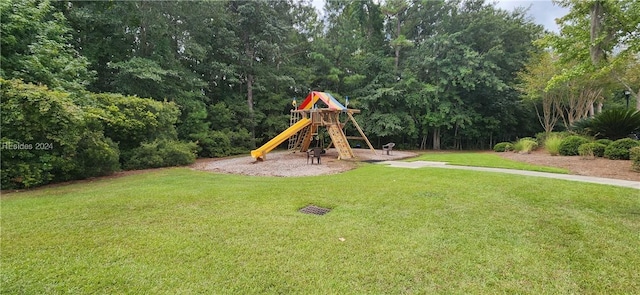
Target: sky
542, 11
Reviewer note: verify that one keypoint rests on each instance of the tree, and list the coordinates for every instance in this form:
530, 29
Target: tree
396, 11
534, 78
36, 46
627, 72
595, 36
261, 37
465, 62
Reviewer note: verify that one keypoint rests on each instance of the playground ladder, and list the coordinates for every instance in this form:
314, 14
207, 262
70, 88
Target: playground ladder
302, 136
293, 140
340, 141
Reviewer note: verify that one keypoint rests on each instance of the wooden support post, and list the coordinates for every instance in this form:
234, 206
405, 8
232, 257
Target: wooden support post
361, 133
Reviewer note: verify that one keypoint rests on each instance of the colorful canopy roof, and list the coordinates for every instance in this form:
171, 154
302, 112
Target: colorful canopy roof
325, 97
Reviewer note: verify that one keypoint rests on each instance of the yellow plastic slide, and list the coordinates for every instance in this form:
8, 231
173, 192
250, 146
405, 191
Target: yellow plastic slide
276, 141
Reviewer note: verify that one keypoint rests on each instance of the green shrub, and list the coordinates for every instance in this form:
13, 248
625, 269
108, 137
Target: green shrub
613, 123
40, 132
160, 153
541, 137
634, 155
52, 136
569, 146
552, 143
241, 141
214, 144
223, 143
525, 145
97, 155
591, 150
583, 127
176, 153
503, 147
130, 120
619, 149
604, 141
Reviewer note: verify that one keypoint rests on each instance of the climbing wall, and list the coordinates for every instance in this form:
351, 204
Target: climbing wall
340, 141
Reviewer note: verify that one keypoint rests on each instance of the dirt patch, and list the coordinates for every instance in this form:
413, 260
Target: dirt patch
598, 167
286, 164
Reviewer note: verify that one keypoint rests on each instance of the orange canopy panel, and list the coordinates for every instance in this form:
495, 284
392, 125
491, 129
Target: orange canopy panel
325, 97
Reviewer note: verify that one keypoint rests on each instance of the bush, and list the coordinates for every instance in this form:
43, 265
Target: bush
525, 145
214, 144
569, 146
634, 155
176, 153
52, 136
619, 149
604, 141
541, 137
552, 143
613, 123
591, 150
130, 120
40, 132
160, 153
241, 141
502, 147
97, 155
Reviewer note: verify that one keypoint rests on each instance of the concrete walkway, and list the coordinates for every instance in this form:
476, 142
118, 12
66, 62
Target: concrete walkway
591, 179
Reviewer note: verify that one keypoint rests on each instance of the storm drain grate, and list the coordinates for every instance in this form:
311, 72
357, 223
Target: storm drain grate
314, 210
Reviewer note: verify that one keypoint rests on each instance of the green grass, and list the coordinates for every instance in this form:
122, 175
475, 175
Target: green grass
484, 160
425, 231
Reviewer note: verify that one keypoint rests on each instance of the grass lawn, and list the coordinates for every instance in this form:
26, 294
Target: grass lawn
391, 230
484, 160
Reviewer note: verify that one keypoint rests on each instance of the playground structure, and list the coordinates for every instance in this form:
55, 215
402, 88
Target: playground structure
306, 121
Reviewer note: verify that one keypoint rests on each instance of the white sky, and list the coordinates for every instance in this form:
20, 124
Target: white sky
542, 11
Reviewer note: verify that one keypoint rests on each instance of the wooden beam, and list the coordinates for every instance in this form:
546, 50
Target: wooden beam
353, 120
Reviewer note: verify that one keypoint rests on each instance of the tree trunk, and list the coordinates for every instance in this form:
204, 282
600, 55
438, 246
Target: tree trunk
250, 92
250, 103
436, 138
457, 142
596, 49
490, 140
550, 115
397, 45
423, 143
250, 53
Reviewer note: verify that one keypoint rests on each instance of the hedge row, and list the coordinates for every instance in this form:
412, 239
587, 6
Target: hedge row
52, 136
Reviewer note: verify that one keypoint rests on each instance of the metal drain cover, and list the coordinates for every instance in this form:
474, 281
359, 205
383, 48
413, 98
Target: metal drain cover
315, 210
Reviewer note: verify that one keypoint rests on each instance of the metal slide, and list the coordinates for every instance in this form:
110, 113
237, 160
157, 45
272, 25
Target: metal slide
262, 151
